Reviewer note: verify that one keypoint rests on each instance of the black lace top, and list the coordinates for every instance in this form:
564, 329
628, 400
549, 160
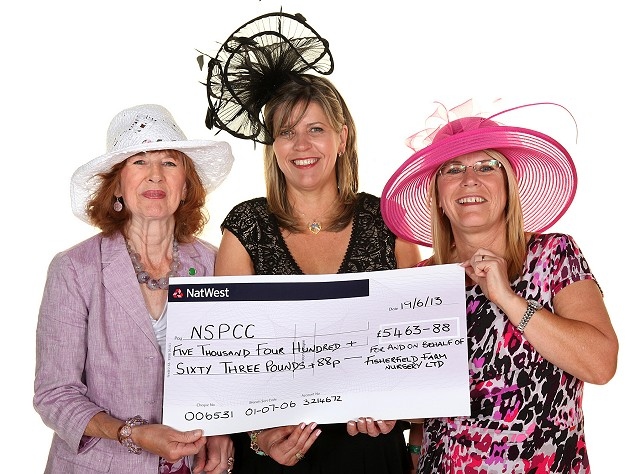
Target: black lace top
371, 246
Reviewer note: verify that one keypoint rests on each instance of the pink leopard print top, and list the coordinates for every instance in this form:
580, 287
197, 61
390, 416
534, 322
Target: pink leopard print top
526, 413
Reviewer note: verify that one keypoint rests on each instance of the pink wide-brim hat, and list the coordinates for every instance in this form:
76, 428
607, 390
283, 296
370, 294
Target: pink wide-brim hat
546, 175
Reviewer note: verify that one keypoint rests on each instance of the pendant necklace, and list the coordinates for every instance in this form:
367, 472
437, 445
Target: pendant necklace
315, 225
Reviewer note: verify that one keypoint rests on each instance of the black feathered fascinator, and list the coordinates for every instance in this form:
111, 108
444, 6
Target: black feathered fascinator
253, 63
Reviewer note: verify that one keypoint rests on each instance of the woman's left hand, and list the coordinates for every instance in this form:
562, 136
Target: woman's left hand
579, 319
490, 272
370, 426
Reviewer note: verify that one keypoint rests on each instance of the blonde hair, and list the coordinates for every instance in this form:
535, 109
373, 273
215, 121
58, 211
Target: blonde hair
516, 245
278, 114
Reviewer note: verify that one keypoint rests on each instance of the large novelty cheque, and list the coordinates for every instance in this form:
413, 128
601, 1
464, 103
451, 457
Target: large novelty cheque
245, 353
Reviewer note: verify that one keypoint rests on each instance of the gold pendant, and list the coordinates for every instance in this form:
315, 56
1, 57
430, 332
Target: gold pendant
314, 227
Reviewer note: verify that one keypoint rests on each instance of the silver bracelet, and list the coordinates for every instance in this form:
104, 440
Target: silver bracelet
532, 307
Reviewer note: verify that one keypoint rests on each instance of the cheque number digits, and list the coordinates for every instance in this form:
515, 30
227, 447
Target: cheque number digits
205, 415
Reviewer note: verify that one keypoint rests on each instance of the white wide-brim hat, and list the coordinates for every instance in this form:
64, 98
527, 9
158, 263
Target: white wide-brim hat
148, 127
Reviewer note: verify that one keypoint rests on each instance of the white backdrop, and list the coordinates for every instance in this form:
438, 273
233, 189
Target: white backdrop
69, 66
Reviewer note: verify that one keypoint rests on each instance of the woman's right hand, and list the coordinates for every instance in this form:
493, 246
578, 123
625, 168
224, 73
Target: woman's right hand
287, 445
167, 442
216, 456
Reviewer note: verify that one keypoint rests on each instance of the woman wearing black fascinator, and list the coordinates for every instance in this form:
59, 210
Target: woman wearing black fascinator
265, 84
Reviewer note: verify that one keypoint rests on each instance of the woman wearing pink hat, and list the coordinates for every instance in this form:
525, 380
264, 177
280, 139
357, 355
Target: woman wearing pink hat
482, 194
102, 326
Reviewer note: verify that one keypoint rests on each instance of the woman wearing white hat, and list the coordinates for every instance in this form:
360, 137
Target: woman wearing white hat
102, 324
482, 194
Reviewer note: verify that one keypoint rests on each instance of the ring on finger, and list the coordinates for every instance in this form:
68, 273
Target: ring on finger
229, 471
299, 455
230, 461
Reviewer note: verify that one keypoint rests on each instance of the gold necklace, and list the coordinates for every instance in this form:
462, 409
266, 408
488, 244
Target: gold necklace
315, 225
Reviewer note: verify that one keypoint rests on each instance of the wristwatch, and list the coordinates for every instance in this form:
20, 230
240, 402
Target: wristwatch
124, 434
532, 307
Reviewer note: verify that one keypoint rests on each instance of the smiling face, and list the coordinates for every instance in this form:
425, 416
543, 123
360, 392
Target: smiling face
306, 150
473, 200
152, 184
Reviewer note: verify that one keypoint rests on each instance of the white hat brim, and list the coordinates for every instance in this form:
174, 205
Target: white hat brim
212, 159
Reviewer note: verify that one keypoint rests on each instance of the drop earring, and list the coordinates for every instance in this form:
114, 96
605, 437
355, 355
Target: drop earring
117, 205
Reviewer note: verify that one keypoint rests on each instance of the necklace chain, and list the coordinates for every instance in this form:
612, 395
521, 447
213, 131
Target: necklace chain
143, 276
315, 225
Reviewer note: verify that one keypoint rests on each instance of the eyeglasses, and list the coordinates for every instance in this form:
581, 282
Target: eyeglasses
482, 168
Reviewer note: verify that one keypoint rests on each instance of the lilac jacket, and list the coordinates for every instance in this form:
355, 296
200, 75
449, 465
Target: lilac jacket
96, 351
